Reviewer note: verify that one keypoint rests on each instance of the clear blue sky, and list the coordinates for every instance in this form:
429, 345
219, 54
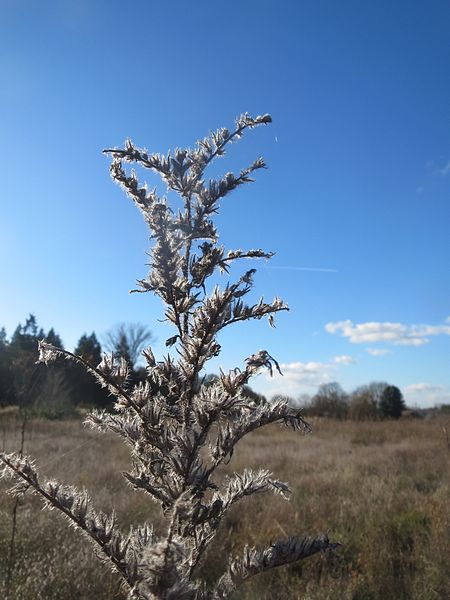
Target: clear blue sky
358, 181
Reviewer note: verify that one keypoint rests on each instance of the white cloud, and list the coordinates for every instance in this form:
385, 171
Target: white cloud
445, 170
344, 359
310, 373
299, 377
415, 388
426, 395
378, 351
397, 334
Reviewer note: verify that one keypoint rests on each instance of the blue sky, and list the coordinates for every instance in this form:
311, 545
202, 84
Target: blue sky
357, 187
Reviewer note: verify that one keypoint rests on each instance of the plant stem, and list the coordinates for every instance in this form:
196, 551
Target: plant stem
12, 541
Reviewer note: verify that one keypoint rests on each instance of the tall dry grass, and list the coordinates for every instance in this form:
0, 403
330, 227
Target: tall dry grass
382, 489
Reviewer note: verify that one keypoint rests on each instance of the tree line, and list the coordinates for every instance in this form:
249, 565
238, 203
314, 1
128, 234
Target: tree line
56, 391
377, 400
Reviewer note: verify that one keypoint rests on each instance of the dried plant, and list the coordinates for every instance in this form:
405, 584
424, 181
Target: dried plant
180, 430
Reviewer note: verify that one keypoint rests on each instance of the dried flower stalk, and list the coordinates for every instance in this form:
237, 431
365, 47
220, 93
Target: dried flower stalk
171, 419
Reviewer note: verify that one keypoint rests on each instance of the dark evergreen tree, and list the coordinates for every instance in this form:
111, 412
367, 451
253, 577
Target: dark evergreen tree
83, 387
29, 378
89, 348
26, 373
6, 374
53, 338
25, 337
392, 403
30, 328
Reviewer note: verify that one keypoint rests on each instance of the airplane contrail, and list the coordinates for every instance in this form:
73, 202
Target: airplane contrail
286, 268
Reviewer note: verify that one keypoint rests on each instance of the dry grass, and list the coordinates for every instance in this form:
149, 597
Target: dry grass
381, 489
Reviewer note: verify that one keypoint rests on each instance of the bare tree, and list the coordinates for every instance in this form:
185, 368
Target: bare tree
128, 340
364, 402
329, 401
179, 430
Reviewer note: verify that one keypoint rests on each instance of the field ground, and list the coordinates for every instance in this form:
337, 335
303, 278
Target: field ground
381, 489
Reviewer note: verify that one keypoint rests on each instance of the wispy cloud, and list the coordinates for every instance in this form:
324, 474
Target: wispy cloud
397, 334
316, 269
445, 170
426, 394
441, 167
378, 351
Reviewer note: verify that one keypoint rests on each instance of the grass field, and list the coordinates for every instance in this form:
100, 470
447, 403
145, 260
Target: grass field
381, 489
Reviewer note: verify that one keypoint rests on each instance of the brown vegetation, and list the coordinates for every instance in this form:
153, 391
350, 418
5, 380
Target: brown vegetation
381, 488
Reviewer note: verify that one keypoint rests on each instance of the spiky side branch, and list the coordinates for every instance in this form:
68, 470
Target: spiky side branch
233, 430
76, 506
256, 561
